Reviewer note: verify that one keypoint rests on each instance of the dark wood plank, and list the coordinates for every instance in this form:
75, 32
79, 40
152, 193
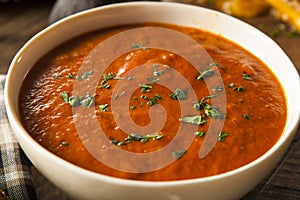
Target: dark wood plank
18, 23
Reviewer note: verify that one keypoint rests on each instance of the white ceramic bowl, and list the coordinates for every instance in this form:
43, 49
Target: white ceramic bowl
82, 184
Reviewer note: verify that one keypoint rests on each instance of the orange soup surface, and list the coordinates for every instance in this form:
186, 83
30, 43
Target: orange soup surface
152, 106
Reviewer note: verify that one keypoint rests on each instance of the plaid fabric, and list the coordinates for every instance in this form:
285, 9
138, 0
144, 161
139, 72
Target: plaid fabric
15, 175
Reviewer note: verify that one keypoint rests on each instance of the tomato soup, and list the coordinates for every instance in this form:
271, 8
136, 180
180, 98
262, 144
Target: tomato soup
195, 120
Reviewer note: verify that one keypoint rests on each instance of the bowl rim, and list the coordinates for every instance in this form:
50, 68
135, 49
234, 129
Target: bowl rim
13, 118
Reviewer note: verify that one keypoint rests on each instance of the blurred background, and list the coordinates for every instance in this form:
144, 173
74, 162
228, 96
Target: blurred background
21, 19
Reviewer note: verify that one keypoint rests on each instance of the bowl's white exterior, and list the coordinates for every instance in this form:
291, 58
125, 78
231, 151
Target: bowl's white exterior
83, 184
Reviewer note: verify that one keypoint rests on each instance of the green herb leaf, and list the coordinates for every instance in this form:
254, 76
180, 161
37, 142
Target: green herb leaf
209, 110
178, 154
65, 144
199, 133
144, 97
193, 120
213, 112
65, 96
108, 76
206, 73
153, 80
239, 89
84, 76
218, 88
246, 116
145, 87
74, 101
216, 64
209, 97
87, 101
117, 142
222, 135
153, 100
138, 46
130, 78
247, 76
104, 84
231, 85
179, 94
56, 76
141, 138
202, 105
132, 107
157, 72
104, 107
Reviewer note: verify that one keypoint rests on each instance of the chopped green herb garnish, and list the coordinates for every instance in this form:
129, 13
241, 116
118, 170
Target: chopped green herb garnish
218, 88
157, 96
202, 105
231, 85
179, 94
56, 76
74, 101
212, 111
153, 80
214, 64
239, 89
84, 76
246, 116
157, 72
104, 107
65, 144
87, 101
132, 107
222, 135
144, 97
198, 119
138, 46
209, 97
115, 97
117, 142
206, 73
145, 87
130, 78
108, 76
178, 154
104, 84
247, 76
209, 110
153, 100
65, 96
199, 133
141, 138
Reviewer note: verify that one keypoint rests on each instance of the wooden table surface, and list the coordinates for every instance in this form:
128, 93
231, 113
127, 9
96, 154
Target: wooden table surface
282, 183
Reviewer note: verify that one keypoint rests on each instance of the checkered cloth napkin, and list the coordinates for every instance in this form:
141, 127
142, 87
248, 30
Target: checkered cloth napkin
15, 175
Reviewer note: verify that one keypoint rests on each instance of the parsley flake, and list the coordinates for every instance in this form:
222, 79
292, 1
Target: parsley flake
179, 94
197, 119
178, 154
